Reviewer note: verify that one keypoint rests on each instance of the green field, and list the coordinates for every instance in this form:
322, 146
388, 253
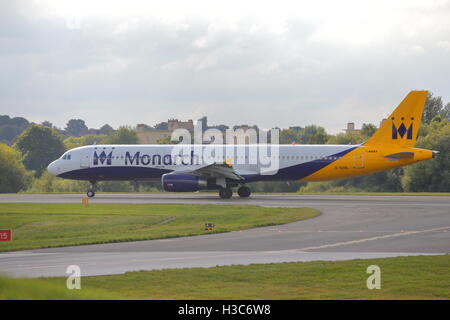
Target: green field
52, 225
422, 277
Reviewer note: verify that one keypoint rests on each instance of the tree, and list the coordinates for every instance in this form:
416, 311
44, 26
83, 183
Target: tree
10, 128
346, 138
4, 119
368, 129
161, 126
445, 113
123, 135
313, 135
20, 122
106, 129
47, 124
89, 139
288, 136
431, 175
39, 146
308, 135
76, 128
9, 132
167, 140
13, 175
433, 107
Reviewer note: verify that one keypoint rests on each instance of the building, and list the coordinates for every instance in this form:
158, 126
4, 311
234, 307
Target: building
351, 128
173, 124
147, 135
241, 134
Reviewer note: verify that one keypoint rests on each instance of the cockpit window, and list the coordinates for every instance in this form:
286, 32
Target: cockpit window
66, 157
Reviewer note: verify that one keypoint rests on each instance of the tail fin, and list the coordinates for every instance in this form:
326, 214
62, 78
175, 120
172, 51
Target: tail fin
402, 126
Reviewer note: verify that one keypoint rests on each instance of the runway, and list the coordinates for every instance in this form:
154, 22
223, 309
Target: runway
350, 227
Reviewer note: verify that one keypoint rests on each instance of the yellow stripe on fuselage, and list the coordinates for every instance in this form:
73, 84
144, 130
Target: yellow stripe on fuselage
365, 160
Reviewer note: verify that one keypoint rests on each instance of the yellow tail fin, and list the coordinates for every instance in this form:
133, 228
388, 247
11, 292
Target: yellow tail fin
402, 126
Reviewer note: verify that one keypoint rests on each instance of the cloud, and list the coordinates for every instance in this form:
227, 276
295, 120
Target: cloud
287, 65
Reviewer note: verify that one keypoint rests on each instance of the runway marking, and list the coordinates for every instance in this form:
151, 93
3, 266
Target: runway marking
401, 233
236, 254
146, 259
215, 256
89, 261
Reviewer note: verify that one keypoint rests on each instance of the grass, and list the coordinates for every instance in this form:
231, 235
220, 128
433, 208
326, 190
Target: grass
51, 225
36, 289
421, 277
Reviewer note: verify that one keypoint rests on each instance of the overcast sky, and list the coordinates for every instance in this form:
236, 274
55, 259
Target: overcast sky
271, 63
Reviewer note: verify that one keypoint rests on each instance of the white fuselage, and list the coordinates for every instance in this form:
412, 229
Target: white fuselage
149, 162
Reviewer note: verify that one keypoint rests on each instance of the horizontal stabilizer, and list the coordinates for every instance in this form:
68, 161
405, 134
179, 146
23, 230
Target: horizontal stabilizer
401, 155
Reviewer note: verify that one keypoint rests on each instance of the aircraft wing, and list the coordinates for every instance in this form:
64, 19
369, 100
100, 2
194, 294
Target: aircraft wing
400, 155
215, 170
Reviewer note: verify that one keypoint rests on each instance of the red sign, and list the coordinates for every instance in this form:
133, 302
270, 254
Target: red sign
5, 235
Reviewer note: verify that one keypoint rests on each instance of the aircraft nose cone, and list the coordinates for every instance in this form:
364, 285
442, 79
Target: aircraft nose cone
53, 168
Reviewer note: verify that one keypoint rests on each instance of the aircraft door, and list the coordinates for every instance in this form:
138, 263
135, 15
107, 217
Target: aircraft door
358, 159
85, 161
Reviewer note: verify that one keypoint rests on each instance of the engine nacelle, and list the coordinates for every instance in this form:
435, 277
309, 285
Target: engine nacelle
176, 182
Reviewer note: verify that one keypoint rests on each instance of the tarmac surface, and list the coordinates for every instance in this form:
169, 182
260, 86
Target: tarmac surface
350, 227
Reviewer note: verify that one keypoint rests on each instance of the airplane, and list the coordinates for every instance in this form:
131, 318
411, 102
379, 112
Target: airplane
391, 146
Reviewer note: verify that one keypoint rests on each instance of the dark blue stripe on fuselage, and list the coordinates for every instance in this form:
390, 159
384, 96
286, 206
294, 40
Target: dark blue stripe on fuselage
298, 171
295, 172
115, 173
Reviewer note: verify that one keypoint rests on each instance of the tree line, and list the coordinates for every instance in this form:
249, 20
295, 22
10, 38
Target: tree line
11, 128
25, 155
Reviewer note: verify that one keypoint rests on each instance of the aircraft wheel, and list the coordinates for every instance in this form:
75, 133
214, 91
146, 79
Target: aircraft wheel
244, 192
90, 193
225, 193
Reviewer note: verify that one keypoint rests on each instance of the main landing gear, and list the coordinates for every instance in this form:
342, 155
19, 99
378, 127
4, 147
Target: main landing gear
227, 193
91, 191
244, 192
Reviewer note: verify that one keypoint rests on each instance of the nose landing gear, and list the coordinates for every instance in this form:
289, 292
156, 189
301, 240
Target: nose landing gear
91, 191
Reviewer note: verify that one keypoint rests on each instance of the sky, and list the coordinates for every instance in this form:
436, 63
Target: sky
270, 63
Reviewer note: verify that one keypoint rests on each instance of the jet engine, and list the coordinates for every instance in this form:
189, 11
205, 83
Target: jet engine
177, 182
